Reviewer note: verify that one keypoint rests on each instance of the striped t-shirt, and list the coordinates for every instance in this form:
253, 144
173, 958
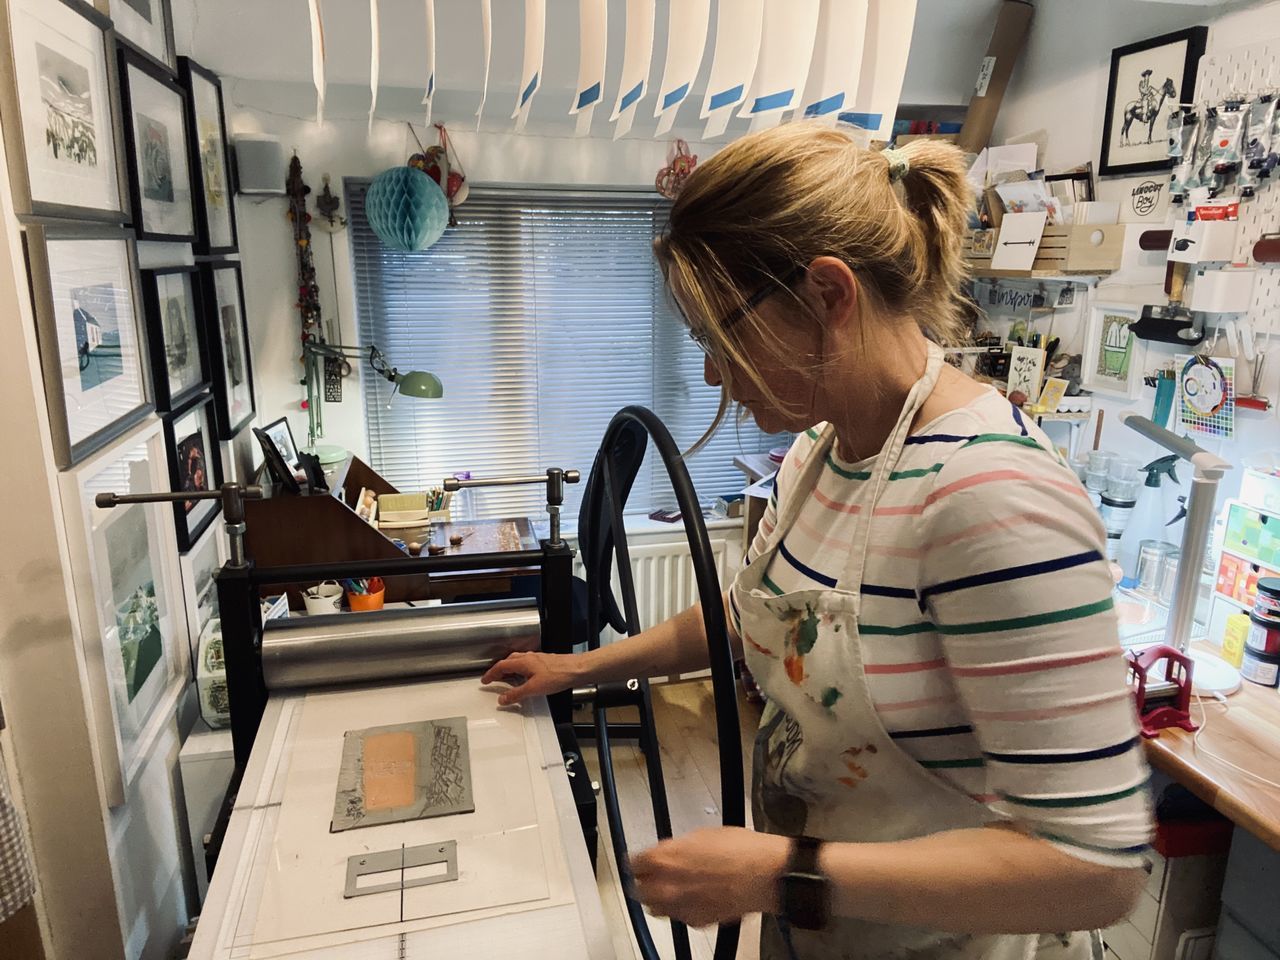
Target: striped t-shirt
987, 627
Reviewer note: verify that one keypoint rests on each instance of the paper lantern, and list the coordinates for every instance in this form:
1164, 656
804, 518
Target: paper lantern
406, 208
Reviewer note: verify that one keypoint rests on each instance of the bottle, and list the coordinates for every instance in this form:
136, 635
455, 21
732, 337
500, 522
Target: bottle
1148, 517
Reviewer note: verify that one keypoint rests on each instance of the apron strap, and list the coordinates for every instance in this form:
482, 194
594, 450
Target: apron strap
890, 454
806, 481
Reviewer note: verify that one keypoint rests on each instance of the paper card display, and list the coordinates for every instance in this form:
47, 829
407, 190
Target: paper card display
786, 48
1018, 241
535, 28
635, 65
1055, 388
837, 60
734, 62
884, 65
593, 26
1026, 367
686, 39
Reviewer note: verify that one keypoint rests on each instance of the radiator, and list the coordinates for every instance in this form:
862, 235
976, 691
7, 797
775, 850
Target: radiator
663, 576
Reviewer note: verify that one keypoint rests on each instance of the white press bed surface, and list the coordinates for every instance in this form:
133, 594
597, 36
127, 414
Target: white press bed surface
525, 886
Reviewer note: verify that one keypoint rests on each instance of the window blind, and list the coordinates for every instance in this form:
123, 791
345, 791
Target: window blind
544, 313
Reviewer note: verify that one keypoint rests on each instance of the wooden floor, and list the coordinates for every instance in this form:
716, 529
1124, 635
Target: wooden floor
685, 718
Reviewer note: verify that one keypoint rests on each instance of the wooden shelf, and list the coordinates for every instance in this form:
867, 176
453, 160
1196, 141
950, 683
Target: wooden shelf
986, 273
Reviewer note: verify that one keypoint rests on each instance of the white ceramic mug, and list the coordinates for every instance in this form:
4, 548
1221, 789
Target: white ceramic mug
325, 597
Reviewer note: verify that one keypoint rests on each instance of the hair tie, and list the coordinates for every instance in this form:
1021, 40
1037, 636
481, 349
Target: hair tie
899, 164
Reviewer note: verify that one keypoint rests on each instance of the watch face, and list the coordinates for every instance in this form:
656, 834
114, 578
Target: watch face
806, 900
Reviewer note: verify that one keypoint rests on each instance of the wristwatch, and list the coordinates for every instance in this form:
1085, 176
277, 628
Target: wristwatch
804, 891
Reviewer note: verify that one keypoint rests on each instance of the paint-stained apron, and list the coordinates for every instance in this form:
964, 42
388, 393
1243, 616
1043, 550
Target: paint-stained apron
824, 764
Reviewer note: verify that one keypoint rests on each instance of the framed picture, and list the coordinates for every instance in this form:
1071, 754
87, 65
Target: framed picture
195, 464
200, 566
215, 213
154, 108
92, 343
228, 338
179, 357
147, 26
1113, 356
281, 434
61, 133
1149, 79
129, 607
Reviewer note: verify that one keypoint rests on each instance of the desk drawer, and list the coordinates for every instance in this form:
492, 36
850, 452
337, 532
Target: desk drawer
1155, 866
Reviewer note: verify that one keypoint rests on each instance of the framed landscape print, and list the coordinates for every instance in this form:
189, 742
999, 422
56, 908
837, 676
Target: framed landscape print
155, 132
228, 338
61, 131
200, 566
92, 344
1149, 80
1113, 355
215, 213
194, 465
179, 360
146, 25
127, 583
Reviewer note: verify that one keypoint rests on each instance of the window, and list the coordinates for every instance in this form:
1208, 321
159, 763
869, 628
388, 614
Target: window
544, 313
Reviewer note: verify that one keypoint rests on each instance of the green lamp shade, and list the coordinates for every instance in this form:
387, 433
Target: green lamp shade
419, 383
406, 208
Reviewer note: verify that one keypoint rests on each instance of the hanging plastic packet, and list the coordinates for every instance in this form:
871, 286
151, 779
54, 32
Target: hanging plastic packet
1261, 116
1273, 151
1204, 150
1228, 137
1183, 139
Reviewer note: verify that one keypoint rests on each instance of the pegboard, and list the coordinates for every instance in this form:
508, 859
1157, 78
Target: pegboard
1249, 69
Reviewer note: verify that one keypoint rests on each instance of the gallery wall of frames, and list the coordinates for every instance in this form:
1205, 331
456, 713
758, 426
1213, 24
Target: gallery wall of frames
114, 140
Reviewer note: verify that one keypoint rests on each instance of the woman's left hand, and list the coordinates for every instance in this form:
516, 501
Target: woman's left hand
711, 876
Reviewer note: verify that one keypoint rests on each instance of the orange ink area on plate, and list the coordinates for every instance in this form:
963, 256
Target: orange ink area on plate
389, 770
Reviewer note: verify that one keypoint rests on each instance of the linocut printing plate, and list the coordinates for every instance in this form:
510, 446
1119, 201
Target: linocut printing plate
509, 852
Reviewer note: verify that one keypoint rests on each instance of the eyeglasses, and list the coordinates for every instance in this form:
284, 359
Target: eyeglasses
760, 296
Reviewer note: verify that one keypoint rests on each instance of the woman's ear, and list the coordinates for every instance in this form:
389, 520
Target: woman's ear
835, 292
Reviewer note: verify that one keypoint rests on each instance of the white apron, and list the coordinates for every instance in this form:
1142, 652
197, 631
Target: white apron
824, 764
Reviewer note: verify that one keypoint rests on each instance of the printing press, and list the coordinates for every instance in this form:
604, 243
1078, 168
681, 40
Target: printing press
384, 804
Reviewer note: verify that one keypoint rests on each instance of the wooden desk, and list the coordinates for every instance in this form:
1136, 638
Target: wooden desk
1244, 731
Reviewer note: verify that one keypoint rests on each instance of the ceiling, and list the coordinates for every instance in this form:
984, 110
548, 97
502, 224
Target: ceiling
269, 40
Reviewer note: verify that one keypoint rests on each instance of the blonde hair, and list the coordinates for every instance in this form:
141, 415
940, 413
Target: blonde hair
776, 200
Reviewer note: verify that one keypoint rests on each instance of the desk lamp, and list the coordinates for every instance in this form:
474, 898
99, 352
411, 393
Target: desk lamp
414, 383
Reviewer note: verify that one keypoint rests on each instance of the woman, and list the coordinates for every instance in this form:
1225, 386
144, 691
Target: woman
926, 606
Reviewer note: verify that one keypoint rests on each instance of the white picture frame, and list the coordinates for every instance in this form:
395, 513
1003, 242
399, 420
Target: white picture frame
93, 346
1101, 369
58, 93
133, 632
146, 25
200, 566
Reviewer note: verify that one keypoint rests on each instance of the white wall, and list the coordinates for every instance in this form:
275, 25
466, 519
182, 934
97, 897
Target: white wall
1059, 87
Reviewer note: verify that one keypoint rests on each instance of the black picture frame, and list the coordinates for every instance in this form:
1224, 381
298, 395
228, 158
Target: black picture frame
159, 336
231, 415
74, 442
178, 454
280, 472
130, 57
191, 74
277, 429
1195, 39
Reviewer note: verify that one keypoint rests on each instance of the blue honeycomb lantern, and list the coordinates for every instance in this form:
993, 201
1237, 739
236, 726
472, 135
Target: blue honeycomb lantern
406, 208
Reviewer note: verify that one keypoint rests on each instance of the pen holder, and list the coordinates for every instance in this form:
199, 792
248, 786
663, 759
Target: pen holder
360, 602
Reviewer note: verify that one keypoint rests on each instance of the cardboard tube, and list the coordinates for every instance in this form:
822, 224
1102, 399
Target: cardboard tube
993, 77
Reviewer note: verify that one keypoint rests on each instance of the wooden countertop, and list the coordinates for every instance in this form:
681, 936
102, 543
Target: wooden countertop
1244, 731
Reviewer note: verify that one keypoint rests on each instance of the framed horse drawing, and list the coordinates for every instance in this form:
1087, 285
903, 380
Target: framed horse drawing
1149, 80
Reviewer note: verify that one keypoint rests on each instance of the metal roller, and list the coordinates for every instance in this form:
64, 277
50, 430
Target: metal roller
395, 644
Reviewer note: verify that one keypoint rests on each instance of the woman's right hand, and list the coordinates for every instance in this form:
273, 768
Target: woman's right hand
534, 675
